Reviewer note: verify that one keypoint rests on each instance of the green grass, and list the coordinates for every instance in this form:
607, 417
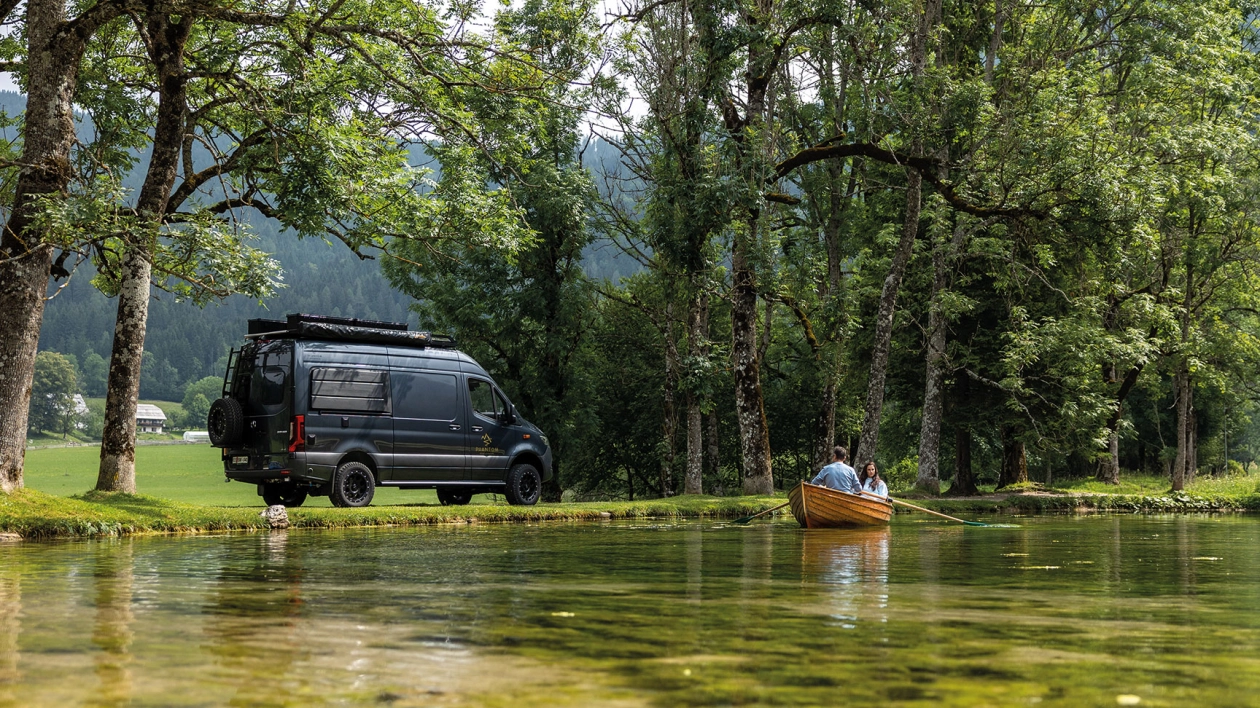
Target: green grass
189, 474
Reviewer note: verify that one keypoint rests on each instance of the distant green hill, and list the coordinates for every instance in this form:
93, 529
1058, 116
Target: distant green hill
185, 343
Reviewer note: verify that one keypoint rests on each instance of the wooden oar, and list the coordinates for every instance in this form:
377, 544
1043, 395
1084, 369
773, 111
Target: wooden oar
746, 519
929, 511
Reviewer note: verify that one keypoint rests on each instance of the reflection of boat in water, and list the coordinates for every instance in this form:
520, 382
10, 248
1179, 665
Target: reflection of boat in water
847, 555
818, 507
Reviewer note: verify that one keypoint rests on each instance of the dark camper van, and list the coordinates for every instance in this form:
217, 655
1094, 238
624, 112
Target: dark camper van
326, 405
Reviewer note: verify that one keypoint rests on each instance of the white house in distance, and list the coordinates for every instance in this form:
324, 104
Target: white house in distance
149, 418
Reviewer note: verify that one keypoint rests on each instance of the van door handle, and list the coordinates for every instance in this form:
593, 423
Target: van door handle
477, 428
454, 427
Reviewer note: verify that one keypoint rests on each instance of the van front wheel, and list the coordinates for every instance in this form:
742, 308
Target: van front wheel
523, 485
352, 485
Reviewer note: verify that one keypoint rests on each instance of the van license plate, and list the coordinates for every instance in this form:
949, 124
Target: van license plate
241, 460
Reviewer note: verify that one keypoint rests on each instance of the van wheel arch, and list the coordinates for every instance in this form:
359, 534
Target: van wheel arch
528, 458
360, 456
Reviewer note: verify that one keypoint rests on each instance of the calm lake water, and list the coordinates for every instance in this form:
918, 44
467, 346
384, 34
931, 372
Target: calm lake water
1068, 611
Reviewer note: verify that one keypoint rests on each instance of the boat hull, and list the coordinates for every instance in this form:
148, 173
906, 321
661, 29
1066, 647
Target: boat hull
818, 507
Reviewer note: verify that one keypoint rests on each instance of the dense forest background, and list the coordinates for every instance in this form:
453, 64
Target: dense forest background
963, 242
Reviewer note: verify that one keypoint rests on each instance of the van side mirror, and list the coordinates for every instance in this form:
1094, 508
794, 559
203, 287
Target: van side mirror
509, 415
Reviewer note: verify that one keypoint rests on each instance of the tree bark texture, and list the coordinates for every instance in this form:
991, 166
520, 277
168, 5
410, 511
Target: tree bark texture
884, 321
928, 478
53, 58
1181, 384
117, 471
698, 349
669, 421
1109, 466
964, 479
825, 421
754, 433
1014, 459
714, 454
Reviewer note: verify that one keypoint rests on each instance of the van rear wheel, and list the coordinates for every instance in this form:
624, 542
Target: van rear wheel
523, 485
452, 498
284, 495
352, 486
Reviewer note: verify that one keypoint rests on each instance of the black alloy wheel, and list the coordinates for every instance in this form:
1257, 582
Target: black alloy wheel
453, 498
284, 494
352, 486
226, 422
523, 485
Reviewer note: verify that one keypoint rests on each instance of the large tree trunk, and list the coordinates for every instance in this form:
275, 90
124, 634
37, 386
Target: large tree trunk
754, 434
697, 349
929, 479
1109, 465
118, 439
884, 321
1014, 460
714, 454
117, 472
669, 421
964, 479
825, 421
869, 441
52, 64
1181, 385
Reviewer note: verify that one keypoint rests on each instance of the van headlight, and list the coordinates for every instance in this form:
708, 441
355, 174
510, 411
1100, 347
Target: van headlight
546, 442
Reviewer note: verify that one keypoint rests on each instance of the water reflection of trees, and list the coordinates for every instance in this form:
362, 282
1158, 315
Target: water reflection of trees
113, 571
853, 566
10, 627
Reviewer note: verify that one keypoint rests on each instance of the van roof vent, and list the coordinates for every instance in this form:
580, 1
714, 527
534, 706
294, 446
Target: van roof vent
345, 329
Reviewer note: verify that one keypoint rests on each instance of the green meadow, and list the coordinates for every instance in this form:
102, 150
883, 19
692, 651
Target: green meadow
191, 474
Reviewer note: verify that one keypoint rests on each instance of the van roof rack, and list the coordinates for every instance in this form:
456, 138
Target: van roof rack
345, 329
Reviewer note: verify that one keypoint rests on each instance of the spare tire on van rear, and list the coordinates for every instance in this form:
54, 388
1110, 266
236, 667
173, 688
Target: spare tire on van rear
226, 422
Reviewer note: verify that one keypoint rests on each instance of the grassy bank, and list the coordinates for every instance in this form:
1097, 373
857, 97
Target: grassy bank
181, 490
33, 514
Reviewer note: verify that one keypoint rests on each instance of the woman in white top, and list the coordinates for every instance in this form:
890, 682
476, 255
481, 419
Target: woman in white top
871, 481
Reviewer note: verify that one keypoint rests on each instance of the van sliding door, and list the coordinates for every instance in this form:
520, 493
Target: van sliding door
428, 427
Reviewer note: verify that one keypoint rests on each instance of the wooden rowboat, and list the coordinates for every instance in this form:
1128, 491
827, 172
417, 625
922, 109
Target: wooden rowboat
818, 507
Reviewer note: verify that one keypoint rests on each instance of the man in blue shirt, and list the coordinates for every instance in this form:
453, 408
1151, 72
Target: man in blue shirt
838, 475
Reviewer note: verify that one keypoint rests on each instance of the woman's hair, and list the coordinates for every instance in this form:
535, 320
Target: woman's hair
869, 466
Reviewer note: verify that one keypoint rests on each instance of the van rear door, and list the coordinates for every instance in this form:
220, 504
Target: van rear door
269, 405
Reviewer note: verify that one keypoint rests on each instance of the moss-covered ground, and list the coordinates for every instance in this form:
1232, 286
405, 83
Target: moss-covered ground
33, 514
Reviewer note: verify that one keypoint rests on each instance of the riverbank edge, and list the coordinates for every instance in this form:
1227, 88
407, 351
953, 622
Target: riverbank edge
28, 514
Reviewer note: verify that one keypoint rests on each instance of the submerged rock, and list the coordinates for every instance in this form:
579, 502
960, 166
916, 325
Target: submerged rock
277, 516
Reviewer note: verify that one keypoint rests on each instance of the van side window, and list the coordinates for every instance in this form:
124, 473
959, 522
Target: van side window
350, 390
425, 396
482, 397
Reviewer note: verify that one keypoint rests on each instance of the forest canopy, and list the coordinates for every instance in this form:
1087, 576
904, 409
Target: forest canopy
975, 242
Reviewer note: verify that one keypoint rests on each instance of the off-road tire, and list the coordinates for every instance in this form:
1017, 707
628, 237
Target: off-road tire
453, 498
352, 485
524, 485
225, 423
283, 494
